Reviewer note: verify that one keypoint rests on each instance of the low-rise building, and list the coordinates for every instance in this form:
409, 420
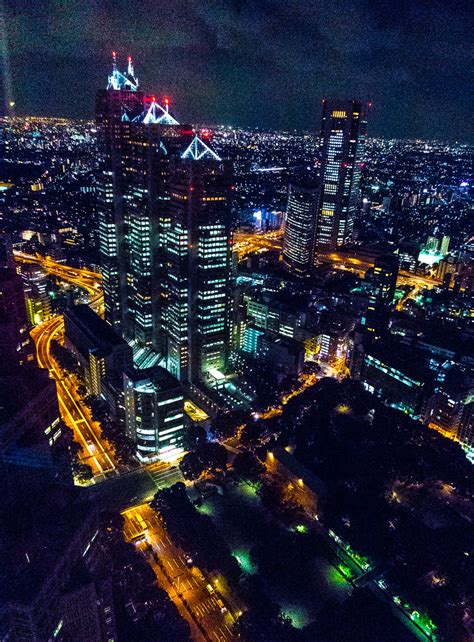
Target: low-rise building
397, 376
101, 352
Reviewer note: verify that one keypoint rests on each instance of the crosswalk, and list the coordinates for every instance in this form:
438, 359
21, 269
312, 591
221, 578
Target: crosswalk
163, 475
183, 583
222, 633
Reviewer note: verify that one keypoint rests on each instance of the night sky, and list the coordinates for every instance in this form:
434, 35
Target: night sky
263, 63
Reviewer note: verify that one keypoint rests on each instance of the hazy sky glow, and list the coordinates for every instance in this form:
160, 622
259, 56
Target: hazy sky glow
261, 63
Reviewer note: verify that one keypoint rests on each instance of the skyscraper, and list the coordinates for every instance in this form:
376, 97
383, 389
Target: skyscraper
197, 264
445, 245
298, 239
114, 106
342, 142
380, 303
432, 244
164, 229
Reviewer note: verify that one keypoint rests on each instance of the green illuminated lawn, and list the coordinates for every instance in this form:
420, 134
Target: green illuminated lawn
243, 558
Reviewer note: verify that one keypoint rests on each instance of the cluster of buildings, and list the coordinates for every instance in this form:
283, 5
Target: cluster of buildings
51, 561
30, 429
321, 218
185, 316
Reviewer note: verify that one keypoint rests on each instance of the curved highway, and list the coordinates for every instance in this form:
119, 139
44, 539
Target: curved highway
95, 451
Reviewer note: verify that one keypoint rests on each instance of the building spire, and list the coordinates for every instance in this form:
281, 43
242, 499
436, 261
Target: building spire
118, 80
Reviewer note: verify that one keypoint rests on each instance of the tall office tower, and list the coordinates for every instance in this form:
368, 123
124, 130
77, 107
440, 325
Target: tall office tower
445, 245
117, 104
342, 142
379, 308
298, 239
197, 264
432, 244
132, 189
16, 346
164, 227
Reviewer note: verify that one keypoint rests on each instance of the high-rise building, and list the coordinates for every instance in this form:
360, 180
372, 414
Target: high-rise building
432, 244
16, 346
298, 239
379, 307
103, 355
165, 232
342, 142
35, 286
445, 245
196, 314
154, 412
54, 580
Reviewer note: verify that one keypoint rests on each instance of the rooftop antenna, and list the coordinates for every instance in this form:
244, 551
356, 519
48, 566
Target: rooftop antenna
130, 67
114, 60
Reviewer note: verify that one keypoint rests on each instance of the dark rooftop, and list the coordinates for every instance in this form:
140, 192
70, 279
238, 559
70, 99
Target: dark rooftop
160, 377
99, 331
408, 360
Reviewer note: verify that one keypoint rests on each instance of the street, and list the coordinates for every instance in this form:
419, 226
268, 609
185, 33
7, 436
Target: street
199, 602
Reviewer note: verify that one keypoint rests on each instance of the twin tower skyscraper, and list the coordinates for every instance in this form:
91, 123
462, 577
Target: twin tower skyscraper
164, 215
321, 218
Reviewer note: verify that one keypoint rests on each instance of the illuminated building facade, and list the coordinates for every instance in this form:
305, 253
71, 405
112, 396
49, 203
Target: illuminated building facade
298, 239
154, 412
102, 353
38, 303
397, 379
342, 142
380, 304
165, 235
113, 105
197, 265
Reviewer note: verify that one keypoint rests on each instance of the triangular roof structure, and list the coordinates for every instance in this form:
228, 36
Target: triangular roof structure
119, 80
155, 115
198, 149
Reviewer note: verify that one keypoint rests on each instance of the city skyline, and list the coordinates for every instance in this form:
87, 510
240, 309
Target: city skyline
355, 51
236, 364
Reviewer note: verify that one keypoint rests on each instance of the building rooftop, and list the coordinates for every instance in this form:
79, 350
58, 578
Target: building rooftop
156, 376
299, 470
18, 387
407, 360
99, 331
